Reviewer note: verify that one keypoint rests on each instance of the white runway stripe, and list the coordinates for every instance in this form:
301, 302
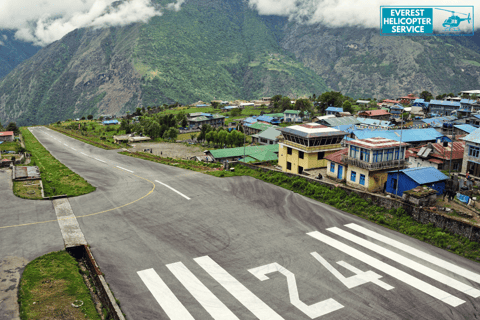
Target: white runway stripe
199, 291
164, 296
173, 190
392, 271
259, 308
125, 169
100, 160
435, 275
417, 253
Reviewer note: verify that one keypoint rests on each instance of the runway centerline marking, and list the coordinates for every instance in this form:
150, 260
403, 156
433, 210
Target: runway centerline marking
173, 190
124, 169
100, 160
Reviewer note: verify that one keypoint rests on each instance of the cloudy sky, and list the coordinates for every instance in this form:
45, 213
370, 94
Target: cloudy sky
338, 13
44, 21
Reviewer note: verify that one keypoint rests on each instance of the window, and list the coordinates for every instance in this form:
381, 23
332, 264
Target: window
362, 179
320, 155
455, 166
353, 176
365, 155
289, 165
300, 170
353, 151
388, 154
289, 150
473, 151
300, 154
377, 156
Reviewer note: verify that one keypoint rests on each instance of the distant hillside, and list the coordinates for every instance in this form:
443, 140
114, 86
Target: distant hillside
221, 49
13, 52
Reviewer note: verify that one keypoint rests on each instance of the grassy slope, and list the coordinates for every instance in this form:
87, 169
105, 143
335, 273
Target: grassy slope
53, 282
57, 179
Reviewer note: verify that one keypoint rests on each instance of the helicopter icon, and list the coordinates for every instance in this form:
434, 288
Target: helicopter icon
452, 23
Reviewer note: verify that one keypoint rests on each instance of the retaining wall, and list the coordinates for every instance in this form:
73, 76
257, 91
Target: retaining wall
451, 224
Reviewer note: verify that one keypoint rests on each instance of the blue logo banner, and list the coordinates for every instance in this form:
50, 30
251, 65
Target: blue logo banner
426, 20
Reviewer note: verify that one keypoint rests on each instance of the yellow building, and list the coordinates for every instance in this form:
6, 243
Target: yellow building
369, 161
305, 146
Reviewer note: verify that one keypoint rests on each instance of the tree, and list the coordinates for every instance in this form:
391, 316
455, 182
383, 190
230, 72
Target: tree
184, 123
1, 127
347, 106
222, 137
12, 126
153, 129
215, 104
330, 98
235, 112
180, 116
83, 118
193, 136
172, 133
239, 139
427, 96
275, 101
209, 137
285, 103
90, 117
230, 139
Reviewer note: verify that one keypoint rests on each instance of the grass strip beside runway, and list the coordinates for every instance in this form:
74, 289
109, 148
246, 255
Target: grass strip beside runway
48, 287
91, 136
57, 179
179, 163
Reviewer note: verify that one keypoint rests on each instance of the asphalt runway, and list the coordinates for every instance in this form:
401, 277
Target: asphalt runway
176, 244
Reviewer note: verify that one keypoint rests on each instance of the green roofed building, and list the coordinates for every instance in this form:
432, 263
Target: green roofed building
252, 153
269, 136
257, 127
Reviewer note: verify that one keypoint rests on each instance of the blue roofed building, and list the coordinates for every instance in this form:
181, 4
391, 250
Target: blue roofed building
374, 123
399, 181
471, 155
333, 110
462, 129
470, 104
396, 110
110, 122
414, 137
444, 108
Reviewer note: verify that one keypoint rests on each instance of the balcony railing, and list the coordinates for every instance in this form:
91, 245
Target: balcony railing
392, 164
313, 148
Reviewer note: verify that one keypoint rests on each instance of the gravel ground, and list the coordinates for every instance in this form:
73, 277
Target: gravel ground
172, 150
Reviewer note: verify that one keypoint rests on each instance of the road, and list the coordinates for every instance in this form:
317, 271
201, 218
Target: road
176, 244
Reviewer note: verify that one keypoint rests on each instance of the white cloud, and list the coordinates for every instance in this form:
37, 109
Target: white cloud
45, 21
339, 13
1, 43
176, 5
5, 37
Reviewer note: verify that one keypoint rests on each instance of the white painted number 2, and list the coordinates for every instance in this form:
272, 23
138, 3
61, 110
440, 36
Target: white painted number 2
313, 311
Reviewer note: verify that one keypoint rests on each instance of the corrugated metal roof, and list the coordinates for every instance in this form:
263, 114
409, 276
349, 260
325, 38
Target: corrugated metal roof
372, 113
261, 126
468, 101
339, 121
439, 120
409, 135
424, 175
376, 143
271, 134
345, 127
465, 127
334, 109
473, 137
265, 118
110, 122
337, 156
275, 115
445, 103
6, 133
321, 132
374, 122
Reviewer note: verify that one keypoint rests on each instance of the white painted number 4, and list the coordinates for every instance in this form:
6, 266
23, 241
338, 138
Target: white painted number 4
313, 311
327, 306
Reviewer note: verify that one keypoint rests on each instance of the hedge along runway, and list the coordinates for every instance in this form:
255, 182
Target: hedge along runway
200, 247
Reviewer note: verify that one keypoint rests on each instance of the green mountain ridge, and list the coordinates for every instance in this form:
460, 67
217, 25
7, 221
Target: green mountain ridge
222, 49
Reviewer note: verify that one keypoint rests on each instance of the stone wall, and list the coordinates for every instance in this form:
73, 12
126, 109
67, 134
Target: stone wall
451, 224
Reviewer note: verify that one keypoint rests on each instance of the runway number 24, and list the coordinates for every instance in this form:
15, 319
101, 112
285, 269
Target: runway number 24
326, 306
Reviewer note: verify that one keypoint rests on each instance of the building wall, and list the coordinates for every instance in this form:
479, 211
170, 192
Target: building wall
334, 174
406, 183
356, 183
417, 163
7, 138
309, 161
